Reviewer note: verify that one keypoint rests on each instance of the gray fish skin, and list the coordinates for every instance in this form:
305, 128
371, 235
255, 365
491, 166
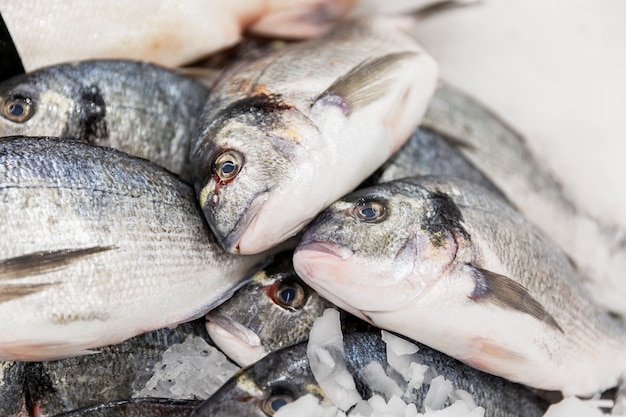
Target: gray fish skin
287, 373
449, 264
275, 309
137, 107
100, 246
138, 407
429, 153
115, 372
12, 399
597, 247
288, 132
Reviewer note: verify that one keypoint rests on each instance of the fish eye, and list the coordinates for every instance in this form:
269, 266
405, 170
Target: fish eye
227, 165
370, 211
275, 402
288, 294
17, 109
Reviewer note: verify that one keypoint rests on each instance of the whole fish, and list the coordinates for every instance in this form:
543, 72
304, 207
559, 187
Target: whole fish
285, 375
65, 30
450, 264
100, 246
138, 407
597, 248
275, 309
140, 108
288, 132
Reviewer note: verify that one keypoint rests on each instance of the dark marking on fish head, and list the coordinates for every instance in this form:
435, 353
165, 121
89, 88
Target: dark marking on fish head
508, 294
442, 218
93, 115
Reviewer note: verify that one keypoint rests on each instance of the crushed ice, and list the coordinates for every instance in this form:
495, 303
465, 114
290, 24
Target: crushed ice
189, 370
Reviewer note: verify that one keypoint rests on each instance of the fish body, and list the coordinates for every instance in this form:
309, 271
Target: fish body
597, 247
137, 107
429, 153
286, 133
275, 309
151, 29
98, 247
285, 375
450, 264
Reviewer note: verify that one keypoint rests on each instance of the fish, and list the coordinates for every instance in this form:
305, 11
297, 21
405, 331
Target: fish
596, 246
284, 376
137, 107
66, 30
447, 263
138, 407
100, 246
286, 133
273, 310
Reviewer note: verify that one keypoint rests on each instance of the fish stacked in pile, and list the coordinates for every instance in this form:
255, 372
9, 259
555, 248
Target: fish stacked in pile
205, 187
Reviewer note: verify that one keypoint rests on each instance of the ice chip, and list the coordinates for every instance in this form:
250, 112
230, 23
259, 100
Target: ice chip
377, 380
438, 393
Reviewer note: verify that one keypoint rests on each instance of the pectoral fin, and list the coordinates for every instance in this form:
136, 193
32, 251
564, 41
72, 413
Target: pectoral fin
364, 83
41, 262
506, 293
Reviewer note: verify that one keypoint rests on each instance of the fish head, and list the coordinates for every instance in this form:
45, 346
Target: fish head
274, 310
253, 179
48, 102
375, 249
264, 387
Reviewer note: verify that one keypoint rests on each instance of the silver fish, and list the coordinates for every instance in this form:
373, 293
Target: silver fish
597, 247
140, 108
447, 263
290, 131
98, 247
275, 309
285, 375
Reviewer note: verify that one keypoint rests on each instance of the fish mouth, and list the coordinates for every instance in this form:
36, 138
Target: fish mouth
238, 342
231, 242
330, 248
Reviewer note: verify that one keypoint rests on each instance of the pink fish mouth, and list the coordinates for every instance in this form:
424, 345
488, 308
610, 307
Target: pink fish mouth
238, 342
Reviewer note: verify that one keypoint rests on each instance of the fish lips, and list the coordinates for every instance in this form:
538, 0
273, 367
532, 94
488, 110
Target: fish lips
236, 240
238, 342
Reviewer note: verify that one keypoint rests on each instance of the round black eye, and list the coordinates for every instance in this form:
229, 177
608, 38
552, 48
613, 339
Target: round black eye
289, 294
227, 165
370, 211
275, 402
17, 109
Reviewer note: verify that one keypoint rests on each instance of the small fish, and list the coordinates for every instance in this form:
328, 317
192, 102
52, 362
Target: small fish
285, 376
150, 30
137, 107
450, 264
99, 246
288, 132
597, 247
138, 407
275, 309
